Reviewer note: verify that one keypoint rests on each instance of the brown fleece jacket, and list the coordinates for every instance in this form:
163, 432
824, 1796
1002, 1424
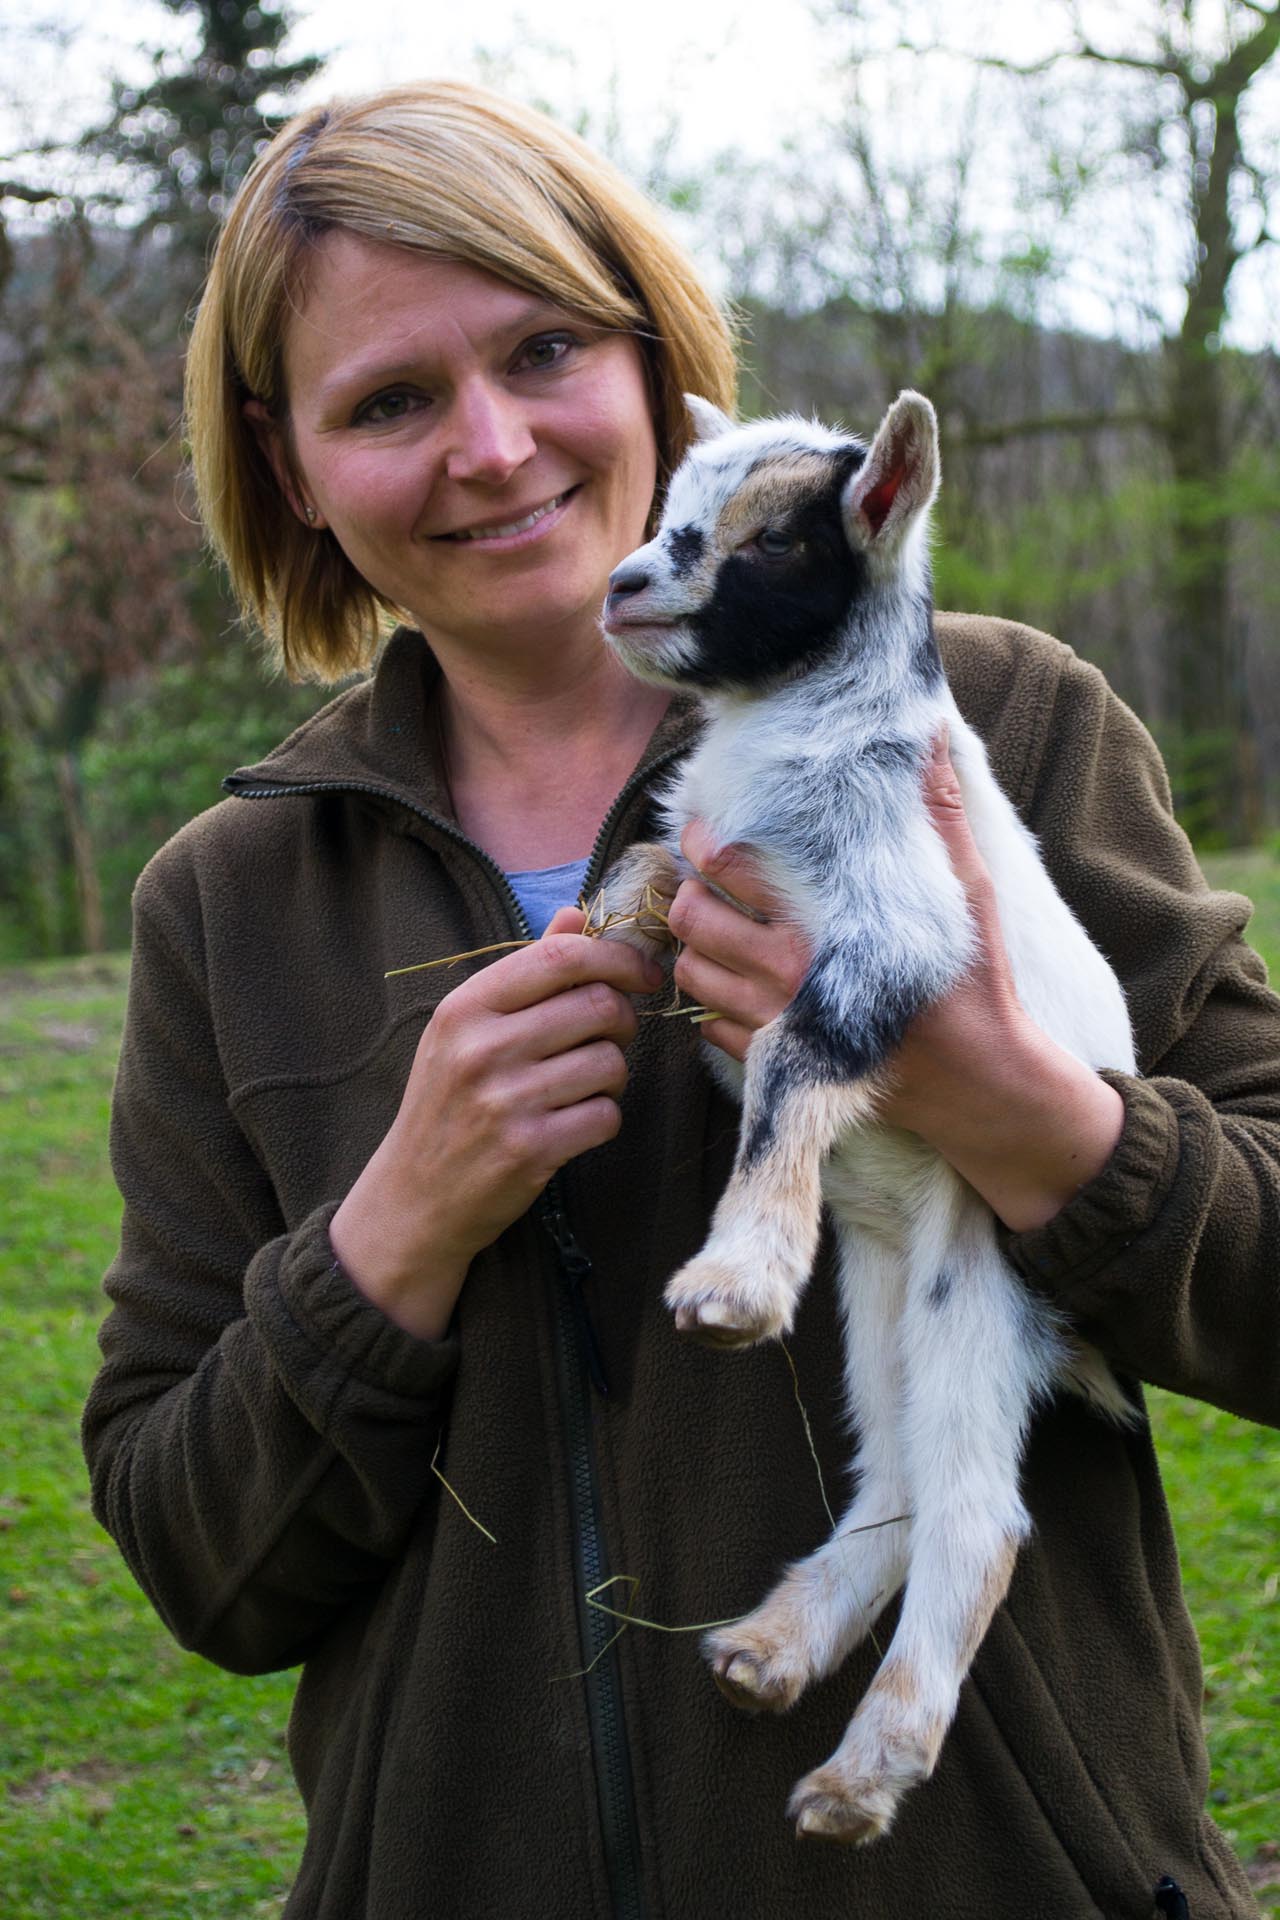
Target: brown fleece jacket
261, 1438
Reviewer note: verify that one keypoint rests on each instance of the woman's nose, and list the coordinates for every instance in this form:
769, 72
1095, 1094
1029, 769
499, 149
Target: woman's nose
490, 435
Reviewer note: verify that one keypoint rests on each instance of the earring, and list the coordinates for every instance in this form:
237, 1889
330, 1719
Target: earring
311, 516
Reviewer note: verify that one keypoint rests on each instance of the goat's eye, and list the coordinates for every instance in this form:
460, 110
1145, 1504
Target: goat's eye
773, 543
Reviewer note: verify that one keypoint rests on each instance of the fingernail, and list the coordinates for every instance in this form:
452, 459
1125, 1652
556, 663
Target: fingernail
942, 743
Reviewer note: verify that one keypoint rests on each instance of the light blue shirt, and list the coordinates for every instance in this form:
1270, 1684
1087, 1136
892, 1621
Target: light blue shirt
541, 890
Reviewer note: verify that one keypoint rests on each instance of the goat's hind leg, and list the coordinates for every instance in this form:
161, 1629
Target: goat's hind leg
746, 1282
825, 1604
977, 1355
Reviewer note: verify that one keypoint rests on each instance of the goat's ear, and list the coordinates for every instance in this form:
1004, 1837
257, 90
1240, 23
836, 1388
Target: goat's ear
708, 421
899, 477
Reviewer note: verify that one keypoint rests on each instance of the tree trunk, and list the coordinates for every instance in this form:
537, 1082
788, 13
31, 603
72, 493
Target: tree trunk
1213, 754
88, 888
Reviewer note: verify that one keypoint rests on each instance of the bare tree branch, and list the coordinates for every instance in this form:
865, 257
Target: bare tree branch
34, 196
1002, 432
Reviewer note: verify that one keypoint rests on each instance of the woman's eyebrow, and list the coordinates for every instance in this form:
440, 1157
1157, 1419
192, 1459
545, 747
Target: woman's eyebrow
375, 372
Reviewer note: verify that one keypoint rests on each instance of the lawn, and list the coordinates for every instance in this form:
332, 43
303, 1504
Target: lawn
141, 1780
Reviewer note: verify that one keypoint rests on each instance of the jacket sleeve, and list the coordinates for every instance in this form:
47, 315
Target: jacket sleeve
1170, 1258
260, 1436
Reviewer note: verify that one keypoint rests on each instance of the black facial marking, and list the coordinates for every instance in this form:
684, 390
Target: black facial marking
766, 617
940, 1291
685, 547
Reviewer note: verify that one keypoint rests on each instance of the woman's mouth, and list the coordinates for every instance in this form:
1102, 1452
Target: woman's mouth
506, 530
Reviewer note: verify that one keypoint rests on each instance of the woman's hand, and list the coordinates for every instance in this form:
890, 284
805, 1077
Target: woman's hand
1024, 1121
745, 968
519, 1069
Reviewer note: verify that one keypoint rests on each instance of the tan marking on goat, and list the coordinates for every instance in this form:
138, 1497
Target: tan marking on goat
994, 1588
770, 495
897, 1680
906, 1733
784, 1185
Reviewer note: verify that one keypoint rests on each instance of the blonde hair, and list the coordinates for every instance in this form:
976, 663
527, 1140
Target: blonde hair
458, 173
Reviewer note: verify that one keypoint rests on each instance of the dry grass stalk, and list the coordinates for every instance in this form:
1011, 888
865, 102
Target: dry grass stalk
454, 1495
650, 916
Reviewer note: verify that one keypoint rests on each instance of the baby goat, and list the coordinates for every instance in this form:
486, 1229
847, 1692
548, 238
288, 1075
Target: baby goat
789, 583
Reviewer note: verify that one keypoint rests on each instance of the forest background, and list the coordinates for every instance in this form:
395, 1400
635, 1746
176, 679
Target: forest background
1073, 246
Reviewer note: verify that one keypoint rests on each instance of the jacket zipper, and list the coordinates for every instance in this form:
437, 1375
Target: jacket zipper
577, 1360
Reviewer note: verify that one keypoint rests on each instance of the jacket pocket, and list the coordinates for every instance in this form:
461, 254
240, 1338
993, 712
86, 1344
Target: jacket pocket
1077, 1816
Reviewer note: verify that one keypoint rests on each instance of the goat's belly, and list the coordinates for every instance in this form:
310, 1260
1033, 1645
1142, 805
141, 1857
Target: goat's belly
878, 1178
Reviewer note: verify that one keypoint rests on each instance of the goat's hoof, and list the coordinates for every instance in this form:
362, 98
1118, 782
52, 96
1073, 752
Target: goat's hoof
715, 1305
753, 1681
852, 1813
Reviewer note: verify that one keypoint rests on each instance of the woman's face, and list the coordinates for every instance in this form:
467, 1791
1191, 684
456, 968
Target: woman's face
482, 457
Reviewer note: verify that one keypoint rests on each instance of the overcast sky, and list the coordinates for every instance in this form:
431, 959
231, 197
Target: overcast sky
745, 71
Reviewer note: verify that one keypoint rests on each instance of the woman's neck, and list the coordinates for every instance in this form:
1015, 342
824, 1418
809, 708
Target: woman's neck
532, 766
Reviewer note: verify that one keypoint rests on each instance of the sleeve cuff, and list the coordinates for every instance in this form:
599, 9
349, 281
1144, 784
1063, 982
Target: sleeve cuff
343, 1327
1118, 1204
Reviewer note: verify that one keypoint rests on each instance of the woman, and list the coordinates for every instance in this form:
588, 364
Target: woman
379, 1227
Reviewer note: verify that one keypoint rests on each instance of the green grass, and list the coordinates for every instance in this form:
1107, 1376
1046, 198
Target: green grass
139, 1779
1257, 874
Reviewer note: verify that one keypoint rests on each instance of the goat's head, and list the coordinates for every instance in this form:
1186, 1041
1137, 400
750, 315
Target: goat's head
771, 537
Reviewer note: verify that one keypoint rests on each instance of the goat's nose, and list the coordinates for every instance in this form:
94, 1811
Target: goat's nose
626, 580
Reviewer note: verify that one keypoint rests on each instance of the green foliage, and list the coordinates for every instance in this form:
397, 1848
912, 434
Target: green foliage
160, 760
140, 1779
158, 757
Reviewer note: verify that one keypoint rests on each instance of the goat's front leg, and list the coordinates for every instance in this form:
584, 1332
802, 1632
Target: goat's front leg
746, 1282
632, 901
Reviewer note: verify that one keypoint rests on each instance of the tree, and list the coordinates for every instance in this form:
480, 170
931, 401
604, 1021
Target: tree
95, 553
1155, 110
101, 574
187, 139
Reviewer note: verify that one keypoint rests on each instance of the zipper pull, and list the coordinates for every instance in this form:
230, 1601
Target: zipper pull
575, 1266
1171, 1900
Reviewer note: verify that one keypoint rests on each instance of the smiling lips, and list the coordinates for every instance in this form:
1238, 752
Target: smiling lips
510, 527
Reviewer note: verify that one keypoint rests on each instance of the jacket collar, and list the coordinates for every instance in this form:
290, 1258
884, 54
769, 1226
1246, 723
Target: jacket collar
381, 737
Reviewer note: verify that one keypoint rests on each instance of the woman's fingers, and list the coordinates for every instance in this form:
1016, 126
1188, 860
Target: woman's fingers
568, 1020
580, 1074
555, 964
743, 997
733, 870
745, 961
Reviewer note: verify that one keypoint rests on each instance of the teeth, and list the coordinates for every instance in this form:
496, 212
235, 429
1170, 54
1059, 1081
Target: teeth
515, 526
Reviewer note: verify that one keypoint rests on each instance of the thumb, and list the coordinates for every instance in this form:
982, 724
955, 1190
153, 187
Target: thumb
565, 920
945, 802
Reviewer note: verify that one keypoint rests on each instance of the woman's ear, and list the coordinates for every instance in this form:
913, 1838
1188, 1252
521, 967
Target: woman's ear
267, 433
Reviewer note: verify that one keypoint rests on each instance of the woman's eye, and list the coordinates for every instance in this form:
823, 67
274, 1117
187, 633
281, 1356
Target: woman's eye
775, 544
386, 408
548, 350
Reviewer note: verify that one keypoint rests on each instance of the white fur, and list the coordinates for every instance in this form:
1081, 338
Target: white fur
947, 1353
